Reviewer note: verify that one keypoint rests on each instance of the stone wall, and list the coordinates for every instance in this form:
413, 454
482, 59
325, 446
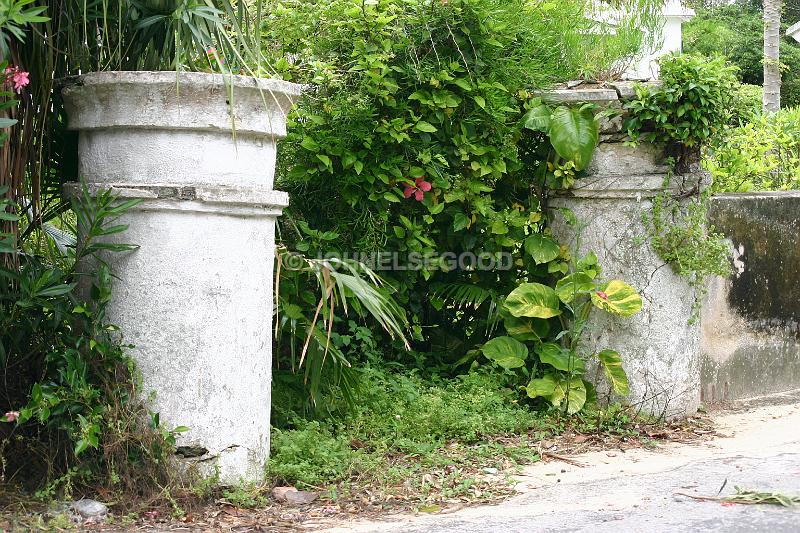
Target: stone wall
751, 320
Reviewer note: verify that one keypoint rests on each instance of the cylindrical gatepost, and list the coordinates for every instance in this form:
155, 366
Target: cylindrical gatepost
659, 346
196, 298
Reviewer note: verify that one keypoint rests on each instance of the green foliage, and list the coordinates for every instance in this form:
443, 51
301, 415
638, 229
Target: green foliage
15, 15
737, 32
397, 413
691, 105
746, 104
555, 369
411, 143
65, 368
762, 155
572, 134
680, 235
689, 109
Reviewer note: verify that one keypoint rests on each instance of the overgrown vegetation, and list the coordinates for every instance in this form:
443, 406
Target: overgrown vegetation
760, 155
421, 441
411, 144
736, 31
422, 138
688, 111
77, 417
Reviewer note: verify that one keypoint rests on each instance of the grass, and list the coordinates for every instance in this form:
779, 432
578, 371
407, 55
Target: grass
424, 442
411, 443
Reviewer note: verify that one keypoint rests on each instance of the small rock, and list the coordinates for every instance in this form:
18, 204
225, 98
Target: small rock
490, 470
293, 496
90, 510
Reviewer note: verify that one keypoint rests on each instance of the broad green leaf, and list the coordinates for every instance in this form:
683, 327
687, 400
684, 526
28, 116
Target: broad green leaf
618, 297
7, 122
560, 358
309, 144
612, 365
538, 118
506, 352
460, 221
542, 248
573, 392
533, 300
499, 227
526, 329
574, 134
426, 127
570, 286
544, 387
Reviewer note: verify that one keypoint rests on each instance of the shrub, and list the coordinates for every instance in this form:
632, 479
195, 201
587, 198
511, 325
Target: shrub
746, 104
688, 109
763, 155
73, 416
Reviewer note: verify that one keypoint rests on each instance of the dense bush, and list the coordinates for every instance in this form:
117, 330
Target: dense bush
411, 142
746, 104
692, 104
763, 155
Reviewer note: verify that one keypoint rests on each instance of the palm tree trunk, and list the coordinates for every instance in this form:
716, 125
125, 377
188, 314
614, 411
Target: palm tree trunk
772, 67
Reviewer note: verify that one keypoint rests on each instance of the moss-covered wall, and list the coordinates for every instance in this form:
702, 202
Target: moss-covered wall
751, 321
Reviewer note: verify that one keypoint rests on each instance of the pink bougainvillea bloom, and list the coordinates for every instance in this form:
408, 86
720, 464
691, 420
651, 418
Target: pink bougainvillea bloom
11, 416
602, 295
418, 190
19, 78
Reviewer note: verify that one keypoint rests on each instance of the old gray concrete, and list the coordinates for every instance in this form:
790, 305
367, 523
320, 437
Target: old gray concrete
196, 297
751, 320
659, 347
638, 491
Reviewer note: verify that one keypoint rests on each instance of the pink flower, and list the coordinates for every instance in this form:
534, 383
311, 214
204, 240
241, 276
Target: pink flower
211, 51
19, 78
11, 416
602, 295
419, 189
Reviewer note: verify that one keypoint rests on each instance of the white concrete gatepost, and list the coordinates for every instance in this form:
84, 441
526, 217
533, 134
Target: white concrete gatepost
659, 347
196, 298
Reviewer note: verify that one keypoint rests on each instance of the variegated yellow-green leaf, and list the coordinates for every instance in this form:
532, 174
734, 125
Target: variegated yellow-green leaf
526, 329
572, 392
506, 352
559, 358
542, 248
533, 300
571, 286
612, 365
543, 387
618, 297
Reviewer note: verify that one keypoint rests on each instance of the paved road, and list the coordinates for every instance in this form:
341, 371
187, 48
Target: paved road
636, 491
658, 509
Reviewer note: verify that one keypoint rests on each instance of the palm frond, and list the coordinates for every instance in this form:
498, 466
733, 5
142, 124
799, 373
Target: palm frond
463, 295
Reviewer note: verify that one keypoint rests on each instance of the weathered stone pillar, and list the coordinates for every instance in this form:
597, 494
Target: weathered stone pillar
660, 349
196, 297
